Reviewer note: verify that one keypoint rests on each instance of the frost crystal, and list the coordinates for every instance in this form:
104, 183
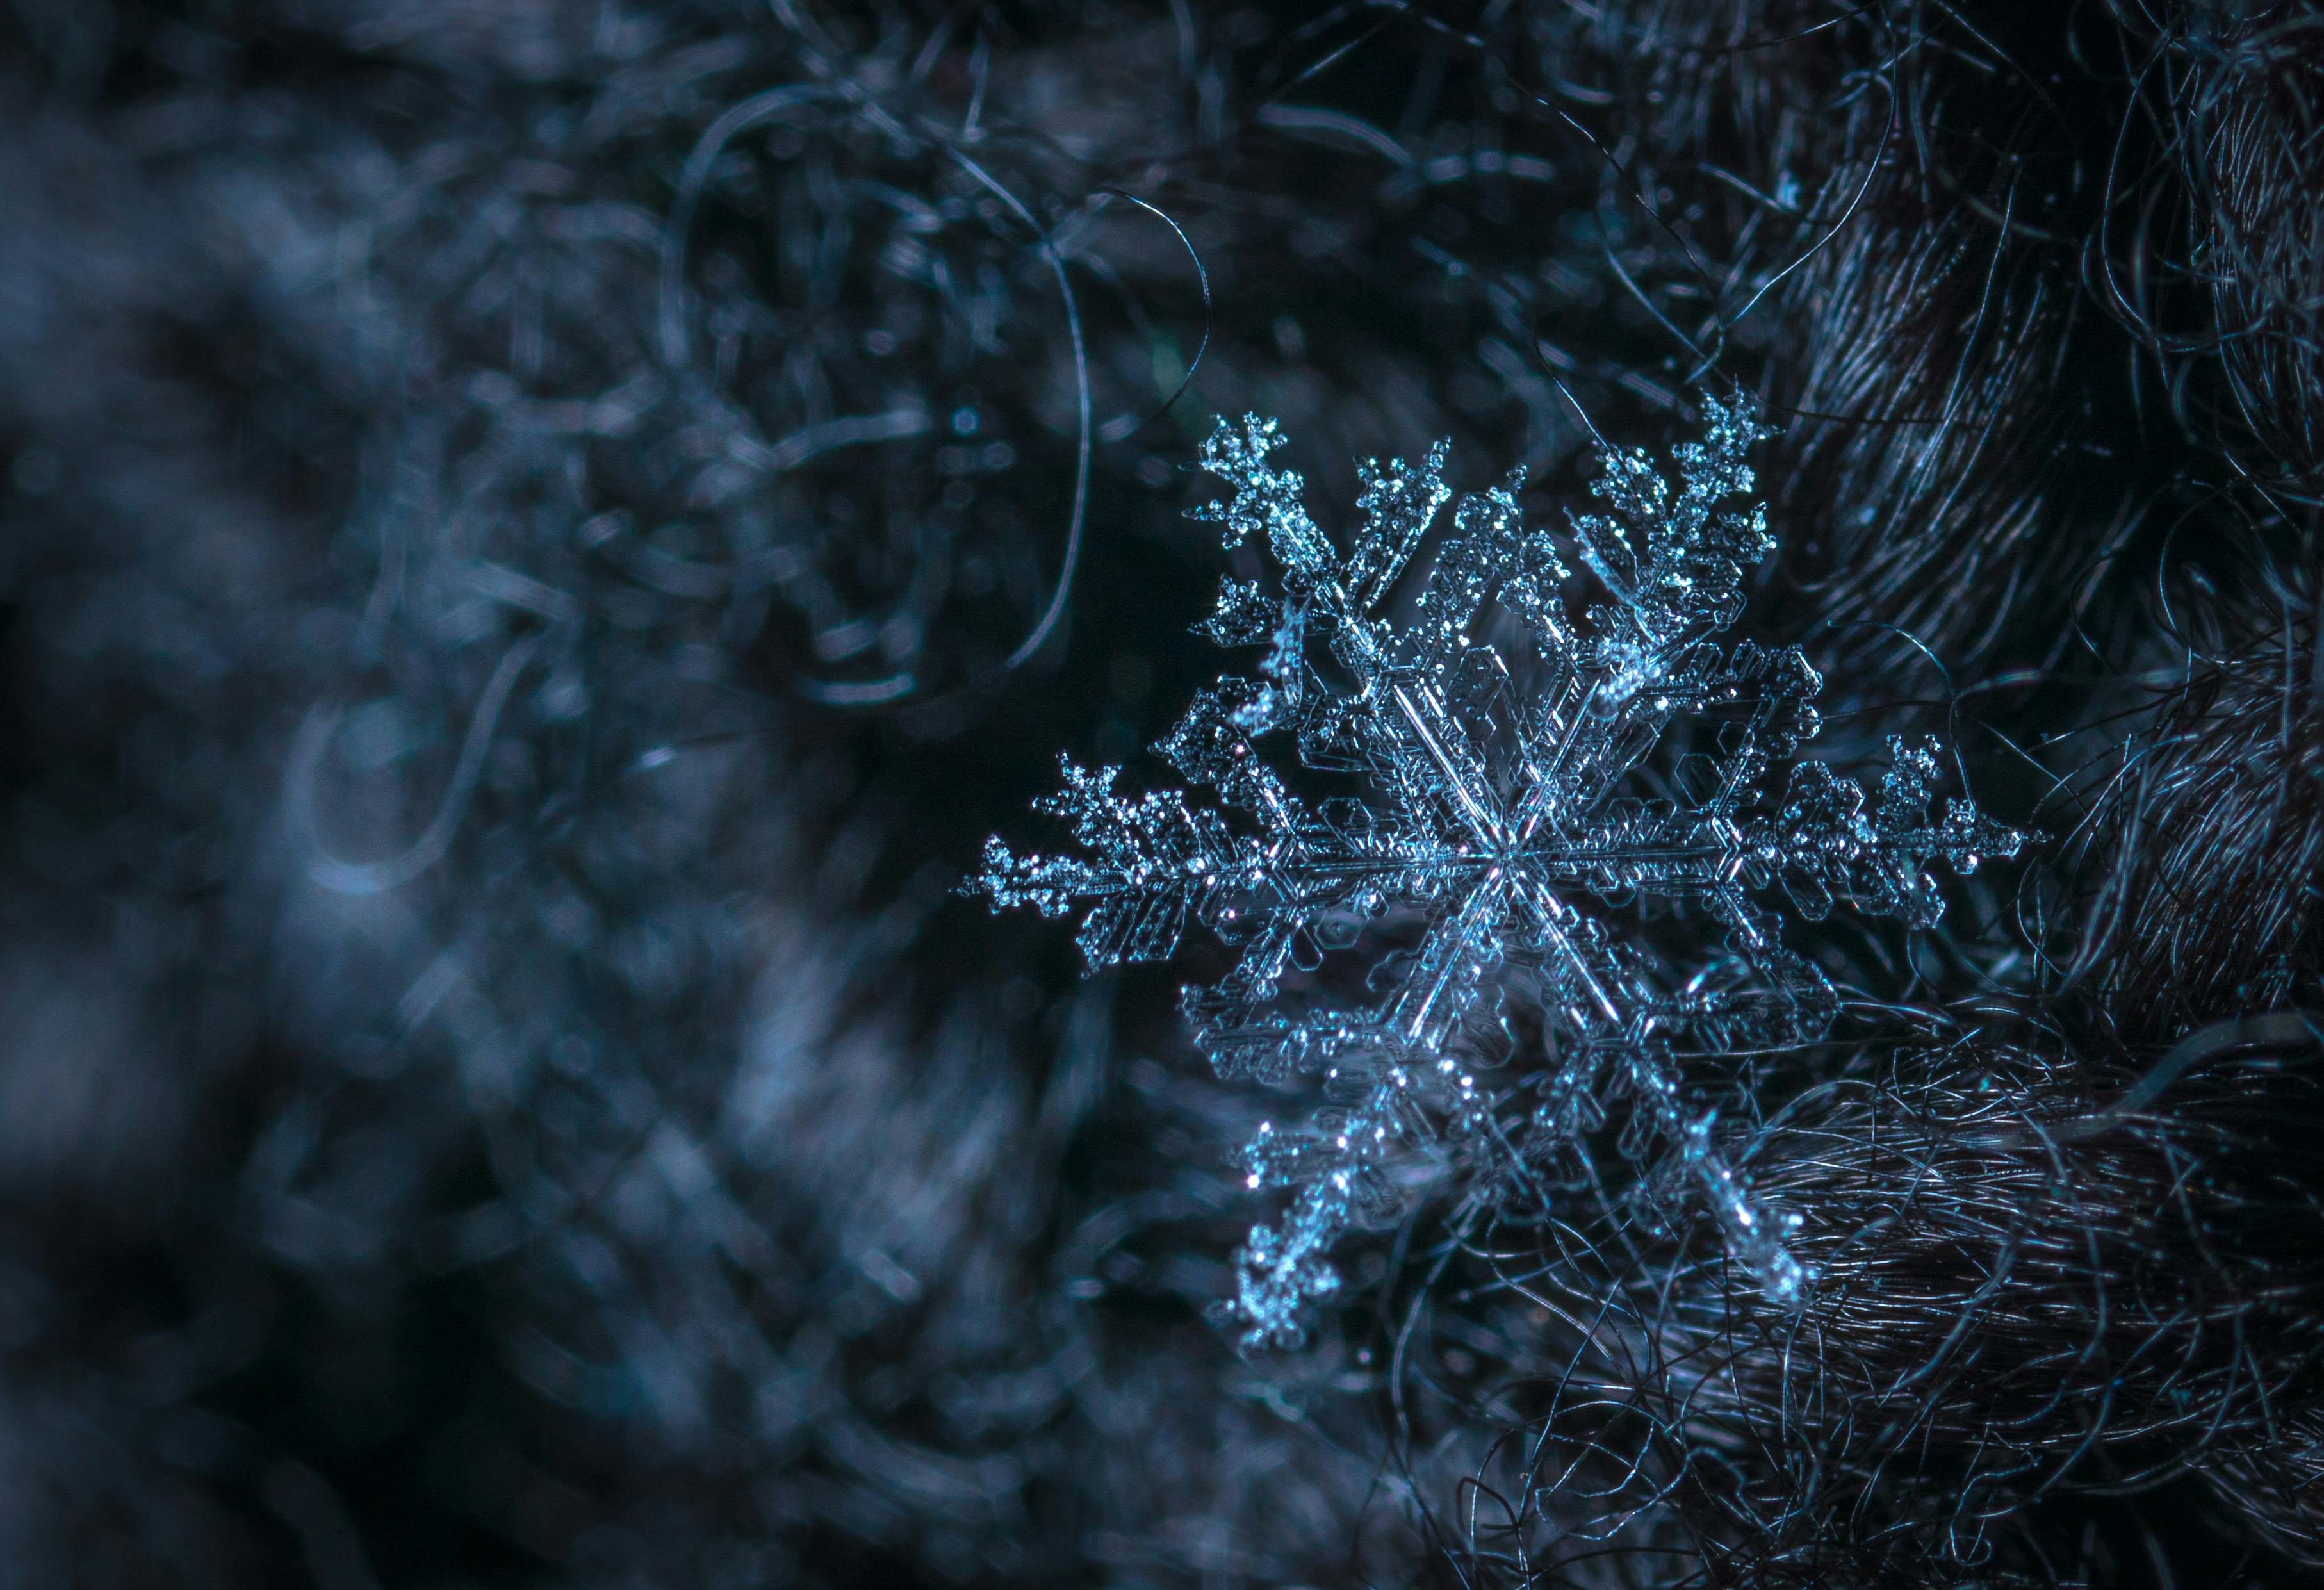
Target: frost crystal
1494, 838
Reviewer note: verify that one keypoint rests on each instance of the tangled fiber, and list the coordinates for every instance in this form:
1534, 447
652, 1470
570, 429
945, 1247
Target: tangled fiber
540, 534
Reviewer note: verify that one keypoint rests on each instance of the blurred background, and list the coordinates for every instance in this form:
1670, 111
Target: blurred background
537, 538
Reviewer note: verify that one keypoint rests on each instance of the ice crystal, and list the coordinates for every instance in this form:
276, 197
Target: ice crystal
1496, 841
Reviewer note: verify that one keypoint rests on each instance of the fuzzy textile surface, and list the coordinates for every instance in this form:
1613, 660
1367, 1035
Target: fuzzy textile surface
538, 539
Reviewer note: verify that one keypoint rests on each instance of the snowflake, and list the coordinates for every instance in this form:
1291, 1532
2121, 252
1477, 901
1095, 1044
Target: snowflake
1495, 840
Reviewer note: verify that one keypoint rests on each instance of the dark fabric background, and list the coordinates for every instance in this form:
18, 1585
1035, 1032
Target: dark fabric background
505, 608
